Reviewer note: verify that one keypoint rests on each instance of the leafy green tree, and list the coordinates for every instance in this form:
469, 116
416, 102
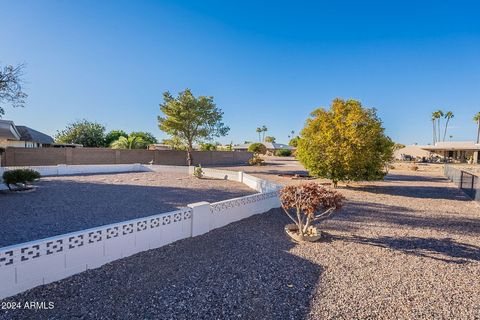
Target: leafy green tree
130, 142
114, 135
174, 143
345, 143
208, 147
270, 139
294, 141
147, 137
86, 133
191, 119
11, 86
258, 148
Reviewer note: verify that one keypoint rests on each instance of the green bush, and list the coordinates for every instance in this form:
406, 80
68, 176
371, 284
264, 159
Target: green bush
198, 172
258, 148
283, 153
19, 176
256, 161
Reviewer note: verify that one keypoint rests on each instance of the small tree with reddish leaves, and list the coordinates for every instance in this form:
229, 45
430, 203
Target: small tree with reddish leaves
309, 203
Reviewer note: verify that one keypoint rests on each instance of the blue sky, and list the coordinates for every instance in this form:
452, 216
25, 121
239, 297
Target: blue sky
264, 62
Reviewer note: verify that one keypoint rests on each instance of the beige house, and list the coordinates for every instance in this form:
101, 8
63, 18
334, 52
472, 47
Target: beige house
12, 135
455, 151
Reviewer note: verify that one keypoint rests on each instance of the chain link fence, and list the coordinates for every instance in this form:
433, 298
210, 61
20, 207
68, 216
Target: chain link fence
465, 180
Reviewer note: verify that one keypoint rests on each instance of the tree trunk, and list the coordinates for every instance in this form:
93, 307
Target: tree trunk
300, 224
439, 129
478, 131
445, 132
189, 154
434, 133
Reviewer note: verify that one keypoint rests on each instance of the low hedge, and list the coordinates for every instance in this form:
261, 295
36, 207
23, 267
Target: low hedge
283, 153
19, 176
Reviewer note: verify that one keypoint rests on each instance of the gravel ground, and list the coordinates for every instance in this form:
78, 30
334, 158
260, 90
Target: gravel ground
404, 248
72, 203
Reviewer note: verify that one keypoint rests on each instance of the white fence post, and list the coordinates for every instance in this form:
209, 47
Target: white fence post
240, 176
200, 218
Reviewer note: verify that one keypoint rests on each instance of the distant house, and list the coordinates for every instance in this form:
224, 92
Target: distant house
12, 135
271, 147
455, 151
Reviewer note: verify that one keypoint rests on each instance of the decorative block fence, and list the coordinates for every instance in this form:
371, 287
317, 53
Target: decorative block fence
27, 265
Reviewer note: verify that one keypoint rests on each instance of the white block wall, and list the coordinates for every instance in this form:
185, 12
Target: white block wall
27, 265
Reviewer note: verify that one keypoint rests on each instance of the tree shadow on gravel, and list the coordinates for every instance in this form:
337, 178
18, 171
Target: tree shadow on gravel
243, 271
414, 191
445, 249
356, 214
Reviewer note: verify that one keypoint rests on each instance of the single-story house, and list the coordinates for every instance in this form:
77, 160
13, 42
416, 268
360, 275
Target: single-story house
271, 147
12, 135
455, 151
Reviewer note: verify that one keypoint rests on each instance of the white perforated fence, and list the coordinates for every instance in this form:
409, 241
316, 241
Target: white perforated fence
27, 265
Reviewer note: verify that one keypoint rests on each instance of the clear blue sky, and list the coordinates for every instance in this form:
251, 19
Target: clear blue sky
264, 62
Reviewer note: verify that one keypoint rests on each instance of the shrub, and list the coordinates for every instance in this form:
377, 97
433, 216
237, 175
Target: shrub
256, 160
19, 176
258, 148
198, 172
414, 167
283, 153
309, 203
345, 143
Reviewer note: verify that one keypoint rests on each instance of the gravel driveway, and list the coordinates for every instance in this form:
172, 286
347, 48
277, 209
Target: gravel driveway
71, 203
404, 248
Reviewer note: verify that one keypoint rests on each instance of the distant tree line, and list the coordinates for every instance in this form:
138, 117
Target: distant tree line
93, 135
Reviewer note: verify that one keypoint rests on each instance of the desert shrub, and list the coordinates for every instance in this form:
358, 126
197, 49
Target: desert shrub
258, 148
414, 167
19, 176
198, 172
308, 204
345, 143
256, 160
283, 153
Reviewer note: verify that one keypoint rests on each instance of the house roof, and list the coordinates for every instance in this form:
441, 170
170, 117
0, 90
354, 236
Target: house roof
453, 145
29, 134
8, 130
269, 145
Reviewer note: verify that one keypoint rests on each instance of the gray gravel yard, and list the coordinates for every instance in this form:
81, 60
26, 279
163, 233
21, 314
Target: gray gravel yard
71, 203
404, 248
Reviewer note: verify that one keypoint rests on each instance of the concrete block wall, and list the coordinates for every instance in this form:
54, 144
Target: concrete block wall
80, 156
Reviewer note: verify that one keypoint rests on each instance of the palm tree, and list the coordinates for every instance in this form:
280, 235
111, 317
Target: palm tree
259, 131
132, 142
264, 130
439, 114
476, 118
434, 119
449, 115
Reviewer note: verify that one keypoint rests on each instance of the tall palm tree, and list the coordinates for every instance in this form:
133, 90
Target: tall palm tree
132, 142
434, 133
439, 114
448, 115
476, 118
264, 130
259, 131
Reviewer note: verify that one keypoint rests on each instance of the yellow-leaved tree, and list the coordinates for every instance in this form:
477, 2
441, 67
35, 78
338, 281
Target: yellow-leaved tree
345, 143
